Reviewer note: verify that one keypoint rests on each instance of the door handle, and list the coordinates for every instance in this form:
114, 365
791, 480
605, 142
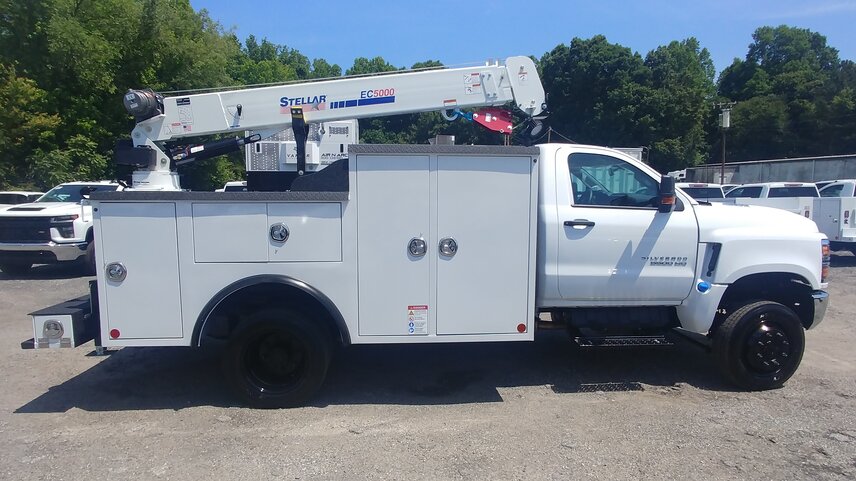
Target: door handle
448, 247
577, 223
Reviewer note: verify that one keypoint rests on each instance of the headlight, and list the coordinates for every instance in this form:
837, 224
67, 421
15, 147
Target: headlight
64, 225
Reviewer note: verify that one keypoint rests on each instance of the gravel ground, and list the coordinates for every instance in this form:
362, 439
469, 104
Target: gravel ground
494, 411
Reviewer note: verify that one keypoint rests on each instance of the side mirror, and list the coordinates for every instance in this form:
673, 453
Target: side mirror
85, 191
667, 194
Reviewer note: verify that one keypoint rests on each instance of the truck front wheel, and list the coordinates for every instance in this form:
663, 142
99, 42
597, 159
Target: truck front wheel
759, 346
279, 360
89, 259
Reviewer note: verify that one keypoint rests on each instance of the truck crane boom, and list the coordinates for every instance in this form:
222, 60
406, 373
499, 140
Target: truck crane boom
267, 110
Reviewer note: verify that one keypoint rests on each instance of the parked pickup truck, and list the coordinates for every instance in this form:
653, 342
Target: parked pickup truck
420, 244
18, 197
796, 197
57, 227
702, 191
834, 213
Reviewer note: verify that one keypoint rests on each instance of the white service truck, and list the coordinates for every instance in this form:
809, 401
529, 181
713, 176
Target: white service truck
428, 244
56, 227
834, 213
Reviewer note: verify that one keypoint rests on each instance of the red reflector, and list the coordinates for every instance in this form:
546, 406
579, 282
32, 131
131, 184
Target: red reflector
521, 328
668, 200
114, 334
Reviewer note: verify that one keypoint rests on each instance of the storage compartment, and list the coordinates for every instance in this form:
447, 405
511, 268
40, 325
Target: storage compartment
445, 240
230, 232
142, 238
314, 232
67, 324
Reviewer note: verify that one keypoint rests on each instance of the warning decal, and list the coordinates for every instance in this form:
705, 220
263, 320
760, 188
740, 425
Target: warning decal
417, 319
472, 83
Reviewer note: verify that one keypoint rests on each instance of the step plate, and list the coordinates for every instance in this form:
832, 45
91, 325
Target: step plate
623, 341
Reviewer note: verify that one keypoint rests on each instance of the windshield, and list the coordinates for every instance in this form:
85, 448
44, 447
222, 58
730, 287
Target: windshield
235, 188
703, 192
793, 192
71, 193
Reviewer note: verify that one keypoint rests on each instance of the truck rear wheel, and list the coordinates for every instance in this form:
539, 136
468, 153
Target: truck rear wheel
279, 360
759, 346
15, 268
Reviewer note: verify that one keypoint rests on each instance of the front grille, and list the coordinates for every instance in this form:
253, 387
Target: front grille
25, 229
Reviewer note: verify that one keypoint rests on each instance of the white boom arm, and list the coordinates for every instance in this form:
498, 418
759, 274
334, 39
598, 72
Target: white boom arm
267, 110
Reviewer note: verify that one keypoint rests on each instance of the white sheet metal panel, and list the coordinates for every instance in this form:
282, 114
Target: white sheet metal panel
392, 208
236, 232
315, 232
143, 237
485, 204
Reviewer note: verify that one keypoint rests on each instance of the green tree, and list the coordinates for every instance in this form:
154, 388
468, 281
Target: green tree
682, 88
596, 89
26, 125
795, 90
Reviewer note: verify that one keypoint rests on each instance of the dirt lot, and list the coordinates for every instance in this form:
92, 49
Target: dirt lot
512, 411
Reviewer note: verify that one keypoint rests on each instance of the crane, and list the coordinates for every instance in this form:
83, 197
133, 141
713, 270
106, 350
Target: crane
264, 111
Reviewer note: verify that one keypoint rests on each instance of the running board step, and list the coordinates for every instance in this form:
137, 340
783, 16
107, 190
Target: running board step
623, 341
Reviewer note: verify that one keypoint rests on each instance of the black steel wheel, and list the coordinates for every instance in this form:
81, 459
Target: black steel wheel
15, 268
760, 345
279, 359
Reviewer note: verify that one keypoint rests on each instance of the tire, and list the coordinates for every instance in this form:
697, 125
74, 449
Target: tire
89, 259
15, 268
279, 359
759, 346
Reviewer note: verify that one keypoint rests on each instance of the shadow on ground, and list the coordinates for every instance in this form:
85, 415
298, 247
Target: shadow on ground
176, 378
64, 270
842, 259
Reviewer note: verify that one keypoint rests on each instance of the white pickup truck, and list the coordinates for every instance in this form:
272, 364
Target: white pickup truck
796, 197
423, 244
57, 227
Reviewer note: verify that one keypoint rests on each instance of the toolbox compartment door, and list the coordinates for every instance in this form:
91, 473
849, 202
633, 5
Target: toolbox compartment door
142, 237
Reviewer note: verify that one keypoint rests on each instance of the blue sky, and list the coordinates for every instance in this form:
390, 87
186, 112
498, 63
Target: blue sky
456, 32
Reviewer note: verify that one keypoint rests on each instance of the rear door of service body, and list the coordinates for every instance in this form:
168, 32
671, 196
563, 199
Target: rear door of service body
614, 246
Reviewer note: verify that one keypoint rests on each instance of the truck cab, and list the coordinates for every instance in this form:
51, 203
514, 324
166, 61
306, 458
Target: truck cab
766, 190
796, 197
839, 188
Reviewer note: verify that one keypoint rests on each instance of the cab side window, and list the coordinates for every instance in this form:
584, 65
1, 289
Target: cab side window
832, 190
601, 180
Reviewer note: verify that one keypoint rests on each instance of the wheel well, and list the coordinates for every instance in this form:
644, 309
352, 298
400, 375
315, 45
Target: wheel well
90, 235
788, 289
229, 309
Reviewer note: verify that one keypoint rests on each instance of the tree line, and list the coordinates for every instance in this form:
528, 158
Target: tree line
64, 65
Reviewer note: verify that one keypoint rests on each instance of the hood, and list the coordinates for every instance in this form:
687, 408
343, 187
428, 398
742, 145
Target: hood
717, 221
41, 209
